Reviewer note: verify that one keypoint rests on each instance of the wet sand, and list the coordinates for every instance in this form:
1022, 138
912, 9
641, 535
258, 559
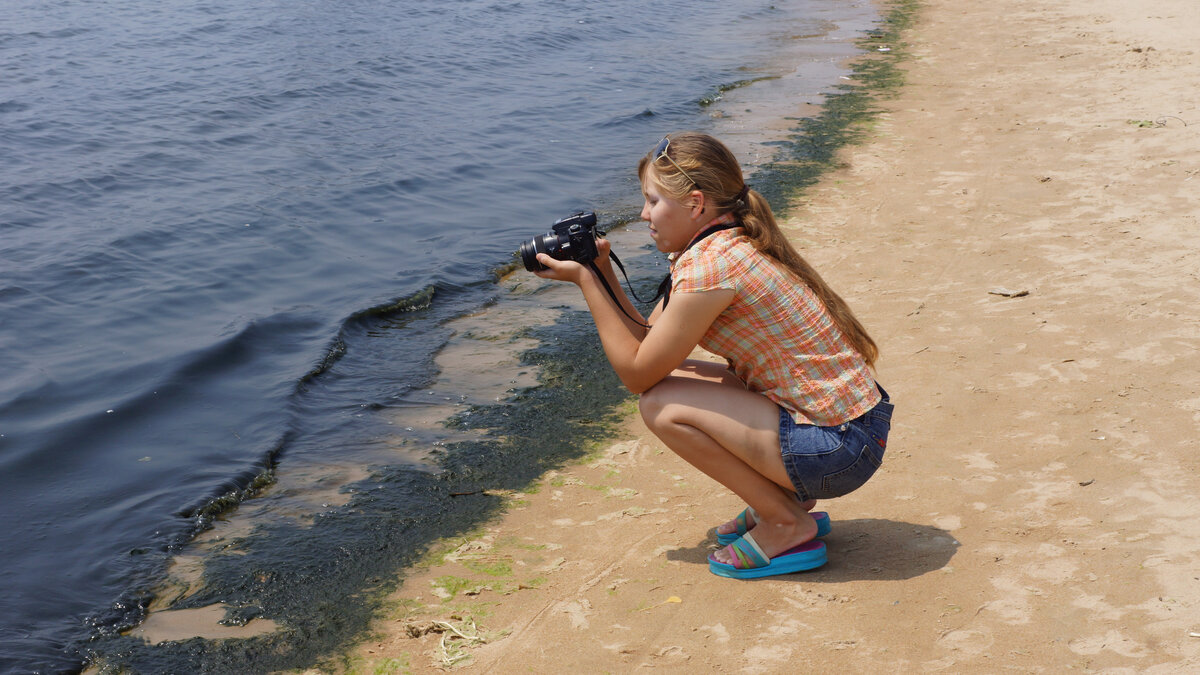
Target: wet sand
1020, 234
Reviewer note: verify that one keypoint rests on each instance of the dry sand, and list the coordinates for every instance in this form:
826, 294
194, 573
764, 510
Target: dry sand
1037, 510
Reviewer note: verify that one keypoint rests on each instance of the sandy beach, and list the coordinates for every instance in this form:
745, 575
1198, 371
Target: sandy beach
1019, 233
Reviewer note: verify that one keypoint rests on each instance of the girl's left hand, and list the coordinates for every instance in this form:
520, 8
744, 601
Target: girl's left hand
560, 270
569, 270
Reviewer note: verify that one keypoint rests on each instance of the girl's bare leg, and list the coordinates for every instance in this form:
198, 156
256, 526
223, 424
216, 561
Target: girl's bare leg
716, 372
732, 435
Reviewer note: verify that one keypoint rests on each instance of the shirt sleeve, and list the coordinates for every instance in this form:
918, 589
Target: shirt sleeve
702, 269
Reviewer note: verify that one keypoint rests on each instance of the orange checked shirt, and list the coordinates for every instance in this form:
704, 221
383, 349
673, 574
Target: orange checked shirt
776, 334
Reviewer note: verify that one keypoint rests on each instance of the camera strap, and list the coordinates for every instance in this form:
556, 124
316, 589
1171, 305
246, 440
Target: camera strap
612, 294
664, 286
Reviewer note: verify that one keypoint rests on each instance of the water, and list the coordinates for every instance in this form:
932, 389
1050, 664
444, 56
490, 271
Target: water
213, 216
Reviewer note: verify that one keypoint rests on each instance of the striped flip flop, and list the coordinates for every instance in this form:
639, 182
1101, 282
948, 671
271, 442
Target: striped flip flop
749, 561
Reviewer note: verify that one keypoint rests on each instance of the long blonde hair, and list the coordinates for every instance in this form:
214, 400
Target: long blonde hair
697, 161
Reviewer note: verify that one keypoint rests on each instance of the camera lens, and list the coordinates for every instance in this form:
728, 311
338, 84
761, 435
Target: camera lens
546, 243
529, 256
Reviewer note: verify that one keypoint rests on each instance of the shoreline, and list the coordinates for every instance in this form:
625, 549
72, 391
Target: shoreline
1014, 231
213, 591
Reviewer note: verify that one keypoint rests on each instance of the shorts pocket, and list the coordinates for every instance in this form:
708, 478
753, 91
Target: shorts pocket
863, 464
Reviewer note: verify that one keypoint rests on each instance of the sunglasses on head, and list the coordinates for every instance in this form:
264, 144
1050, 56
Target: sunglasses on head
660, 152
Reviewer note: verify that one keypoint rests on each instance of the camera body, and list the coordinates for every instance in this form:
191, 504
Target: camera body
572, 238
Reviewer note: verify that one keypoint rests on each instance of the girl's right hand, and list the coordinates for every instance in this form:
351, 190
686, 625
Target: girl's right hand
603, 248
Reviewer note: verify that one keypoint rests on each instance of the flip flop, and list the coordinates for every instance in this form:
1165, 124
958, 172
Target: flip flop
822, 518
751, 563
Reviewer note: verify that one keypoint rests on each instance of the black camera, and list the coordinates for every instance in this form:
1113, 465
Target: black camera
572, 238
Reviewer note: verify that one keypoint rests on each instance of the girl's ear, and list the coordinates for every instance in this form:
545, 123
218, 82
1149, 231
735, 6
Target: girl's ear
697, 205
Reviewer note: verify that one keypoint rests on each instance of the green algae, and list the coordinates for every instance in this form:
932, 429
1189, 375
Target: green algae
846, 116
325, 581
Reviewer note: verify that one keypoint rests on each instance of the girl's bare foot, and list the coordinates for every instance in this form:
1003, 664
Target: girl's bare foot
775, 537
732, 526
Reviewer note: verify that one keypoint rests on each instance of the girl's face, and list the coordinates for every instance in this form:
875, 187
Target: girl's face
672, 224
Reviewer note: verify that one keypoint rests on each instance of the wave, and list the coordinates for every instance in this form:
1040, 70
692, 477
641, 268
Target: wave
421, 300
60, 34
237, 351
718, 92
254, 479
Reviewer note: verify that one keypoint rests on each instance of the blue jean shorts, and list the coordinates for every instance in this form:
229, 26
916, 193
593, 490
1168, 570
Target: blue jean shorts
827, 462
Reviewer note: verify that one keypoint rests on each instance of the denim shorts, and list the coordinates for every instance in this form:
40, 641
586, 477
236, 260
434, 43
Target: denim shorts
827, 462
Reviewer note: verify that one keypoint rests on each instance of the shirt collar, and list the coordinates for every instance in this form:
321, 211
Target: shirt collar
702, 232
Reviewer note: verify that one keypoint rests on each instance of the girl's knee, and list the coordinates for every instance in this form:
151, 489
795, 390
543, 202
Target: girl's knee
651, 403
647, 407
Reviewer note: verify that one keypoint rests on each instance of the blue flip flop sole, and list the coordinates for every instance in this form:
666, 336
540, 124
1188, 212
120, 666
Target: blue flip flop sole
824, 526
807, 556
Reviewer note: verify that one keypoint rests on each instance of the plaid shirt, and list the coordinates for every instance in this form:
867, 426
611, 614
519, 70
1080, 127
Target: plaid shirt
776, 334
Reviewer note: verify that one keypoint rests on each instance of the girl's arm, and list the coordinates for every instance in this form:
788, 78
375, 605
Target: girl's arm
604, 264
640, 357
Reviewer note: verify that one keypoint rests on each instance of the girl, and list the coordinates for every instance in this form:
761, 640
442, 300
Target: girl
796, 416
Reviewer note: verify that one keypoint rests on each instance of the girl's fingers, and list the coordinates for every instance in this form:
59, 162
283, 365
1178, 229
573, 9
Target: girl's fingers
557, 270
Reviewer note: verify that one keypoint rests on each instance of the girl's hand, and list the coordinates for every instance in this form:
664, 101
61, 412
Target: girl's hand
561, 270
